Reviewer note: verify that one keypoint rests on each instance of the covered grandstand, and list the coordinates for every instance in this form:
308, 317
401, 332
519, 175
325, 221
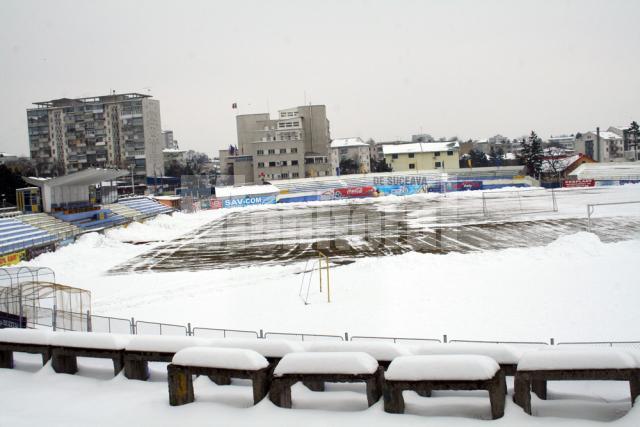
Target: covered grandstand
608, 173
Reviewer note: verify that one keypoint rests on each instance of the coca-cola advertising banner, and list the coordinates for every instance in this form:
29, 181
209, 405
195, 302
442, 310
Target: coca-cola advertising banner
353, 192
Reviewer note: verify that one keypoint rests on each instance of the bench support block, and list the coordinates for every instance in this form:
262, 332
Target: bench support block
6, 359
136, 369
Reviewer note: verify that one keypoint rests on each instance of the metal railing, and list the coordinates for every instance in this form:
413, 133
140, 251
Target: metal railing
87, 322
303, 336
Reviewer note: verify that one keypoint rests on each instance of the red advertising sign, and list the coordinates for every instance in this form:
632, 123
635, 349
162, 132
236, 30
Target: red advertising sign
215, 203
579, 183
351, 192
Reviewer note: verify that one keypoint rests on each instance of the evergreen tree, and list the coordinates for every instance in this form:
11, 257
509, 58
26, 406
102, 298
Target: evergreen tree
632, 134
531, 154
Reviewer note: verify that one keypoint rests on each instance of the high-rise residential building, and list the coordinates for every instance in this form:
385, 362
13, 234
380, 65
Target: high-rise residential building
293, 145
116, 130
169, 142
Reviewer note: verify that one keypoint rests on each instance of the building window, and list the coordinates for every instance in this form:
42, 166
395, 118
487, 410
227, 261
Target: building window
272, 164
294, 163
449, 153
283, 150
272, 151
412, 165
437, 154
260, 164
411, 155
294, 150
283, 163
394, 156
295, 174
438, 164
284, 175
260, 152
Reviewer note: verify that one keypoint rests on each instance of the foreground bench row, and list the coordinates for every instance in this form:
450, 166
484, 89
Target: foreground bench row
418, 373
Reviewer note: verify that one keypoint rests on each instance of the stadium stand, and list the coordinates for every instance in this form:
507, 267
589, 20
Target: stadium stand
51, 224
146, 206
16, 235
90, 220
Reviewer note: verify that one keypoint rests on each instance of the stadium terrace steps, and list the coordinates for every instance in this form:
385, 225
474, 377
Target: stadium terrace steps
16, 235
52, 225
124, 211
146, 206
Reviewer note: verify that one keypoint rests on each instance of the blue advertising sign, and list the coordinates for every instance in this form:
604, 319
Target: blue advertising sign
399, 190
238, 202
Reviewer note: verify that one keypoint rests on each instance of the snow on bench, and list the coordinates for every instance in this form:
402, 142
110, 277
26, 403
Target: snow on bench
220, 364
143, 349
442, 367
352, 363
163, 343
274, 349
25, 341
547, 360
91, 340
25, 336
381, 351
537, 367
424, 373
66, 347
223, 358
501, 353
316, 368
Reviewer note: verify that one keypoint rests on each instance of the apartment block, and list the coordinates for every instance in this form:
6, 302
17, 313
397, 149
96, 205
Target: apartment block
422, 156
293, 145
117, 130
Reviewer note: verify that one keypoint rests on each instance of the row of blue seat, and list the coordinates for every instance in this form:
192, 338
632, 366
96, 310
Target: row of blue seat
145, 206
111, 220
16, 235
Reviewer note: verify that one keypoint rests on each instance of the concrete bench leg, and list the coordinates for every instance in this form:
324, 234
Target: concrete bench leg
260, 383
118, 364
64, 364
374, 388
314, 385
497, 391
136, 369
46, 355
6, 359
180, 385
220, 378
280, 393
393, 400
634, 386
539, 387
522, 394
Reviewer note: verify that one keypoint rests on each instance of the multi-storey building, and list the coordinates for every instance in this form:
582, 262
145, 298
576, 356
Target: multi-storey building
169, 142
117, 130
422, 156
354, 149
293, 145
601, 146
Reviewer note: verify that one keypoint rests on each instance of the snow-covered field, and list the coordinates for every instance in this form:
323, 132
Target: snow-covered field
570, 285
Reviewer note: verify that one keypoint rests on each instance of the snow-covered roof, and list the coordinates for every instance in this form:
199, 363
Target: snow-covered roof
605, 134
558, 164
348, 142
173, 150
247, 190
85, 177
420, 147
612, 170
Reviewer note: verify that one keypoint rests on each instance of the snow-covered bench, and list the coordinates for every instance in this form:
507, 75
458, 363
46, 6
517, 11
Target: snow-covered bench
272, 350
66, 347
215, 362
23, 341
444, 372
325, 367
142, 349
505, 355
537, 367
383, 352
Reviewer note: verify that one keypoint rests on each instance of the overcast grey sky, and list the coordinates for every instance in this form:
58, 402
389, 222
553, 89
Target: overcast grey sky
384, 69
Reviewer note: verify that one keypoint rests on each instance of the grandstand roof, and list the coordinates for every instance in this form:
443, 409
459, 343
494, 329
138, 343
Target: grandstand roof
247, 190
85, 177
621, 170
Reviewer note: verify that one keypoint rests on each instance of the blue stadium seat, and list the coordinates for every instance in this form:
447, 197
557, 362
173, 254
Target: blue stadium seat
16, 235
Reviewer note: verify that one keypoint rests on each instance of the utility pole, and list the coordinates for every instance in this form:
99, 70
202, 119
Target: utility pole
133, 188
